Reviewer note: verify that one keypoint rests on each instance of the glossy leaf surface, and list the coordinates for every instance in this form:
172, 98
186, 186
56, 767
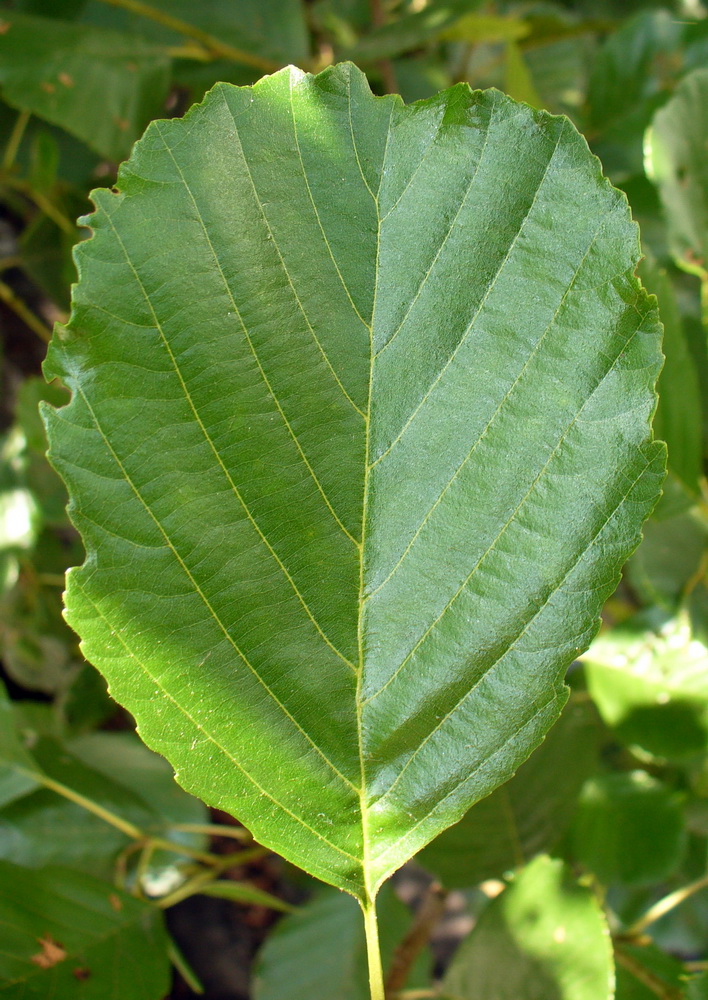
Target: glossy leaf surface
358, 443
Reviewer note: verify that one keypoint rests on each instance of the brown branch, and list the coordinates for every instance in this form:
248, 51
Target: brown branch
405, 955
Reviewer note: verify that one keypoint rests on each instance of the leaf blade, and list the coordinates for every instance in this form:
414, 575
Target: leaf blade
354, 256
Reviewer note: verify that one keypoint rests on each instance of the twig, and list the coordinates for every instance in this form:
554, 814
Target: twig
663, 906
13, 143
214, 46
19, 308
430, 911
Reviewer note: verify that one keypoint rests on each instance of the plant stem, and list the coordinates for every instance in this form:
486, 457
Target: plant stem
429, 912
666, 904
216, 48
13, 143
373, 951
213, 829
26, 315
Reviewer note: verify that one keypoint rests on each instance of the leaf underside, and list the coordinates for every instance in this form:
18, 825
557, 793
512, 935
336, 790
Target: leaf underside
359, 440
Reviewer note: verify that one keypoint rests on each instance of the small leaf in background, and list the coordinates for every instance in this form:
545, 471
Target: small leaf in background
16, 764
669, 560
677, 162
645, 973
319, 953
649, 680
68, 935
101, 86
630, 77
629, 829
381, 357
544, 937
679, 416
518, 82
528, 814
698, 987
412, 30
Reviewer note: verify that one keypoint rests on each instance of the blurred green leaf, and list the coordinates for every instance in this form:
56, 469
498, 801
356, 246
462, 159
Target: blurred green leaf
646, 972
631, 75
68, 935
649, 680
679, 416
527, 815
628, 828
319, 952
16, 764
100, 85
411, 30
543, 938
518, 82
677, 162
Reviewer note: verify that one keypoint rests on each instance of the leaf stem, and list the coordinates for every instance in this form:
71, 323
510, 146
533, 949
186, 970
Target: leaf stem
214, 46
213, 829
665, 905
373, 951
19, 308
13, 143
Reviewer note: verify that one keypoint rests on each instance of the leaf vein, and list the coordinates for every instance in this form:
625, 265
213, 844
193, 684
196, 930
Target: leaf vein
211, 738
508, 523
249, 340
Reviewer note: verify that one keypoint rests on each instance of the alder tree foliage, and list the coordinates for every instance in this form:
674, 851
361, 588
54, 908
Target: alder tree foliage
385, 515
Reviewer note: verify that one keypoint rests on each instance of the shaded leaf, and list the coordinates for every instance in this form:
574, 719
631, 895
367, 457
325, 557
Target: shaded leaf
679, 416
544, 938
629, 829
319, 952
99, 85
313, 568
16, 764
645, 973
66, 934
676, 159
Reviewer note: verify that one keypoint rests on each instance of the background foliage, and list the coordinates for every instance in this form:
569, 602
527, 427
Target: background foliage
96, 840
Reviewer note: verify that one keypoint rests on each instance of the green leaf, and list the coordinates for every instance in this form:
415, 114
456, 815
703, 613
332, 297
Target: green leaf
629, 829
676, 161
16, 764
679, 416
319, 952
67, 935
412, 30
645, 973
649, 680
544, 938
698, 987
629, 79
669, 557
357, 455
245, 893
527, 815
99, 85
271, 28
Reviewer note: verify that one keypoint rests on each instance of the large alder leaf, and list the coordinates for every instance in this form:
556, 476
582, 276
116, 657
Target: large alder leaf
358, 444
